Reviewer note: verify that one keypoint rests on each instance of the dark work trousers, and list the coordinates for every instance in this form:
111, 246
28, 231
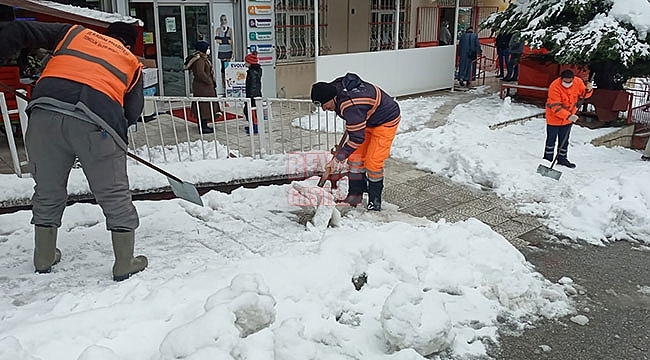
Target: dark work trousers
557, 134
504, 57
53, 141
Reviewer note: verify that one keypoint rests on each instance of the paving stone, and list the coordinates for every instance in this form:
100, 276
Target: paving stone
441, 204
449, 216
420, 210
483, 204
467, 210
460, 196
491, 218
527, 219
512, 229
424, 182
402, 195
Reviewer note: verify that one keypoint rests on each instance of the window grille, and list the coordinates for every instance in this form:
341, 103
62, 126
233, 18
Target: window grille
382, 25
294, 29
483, 13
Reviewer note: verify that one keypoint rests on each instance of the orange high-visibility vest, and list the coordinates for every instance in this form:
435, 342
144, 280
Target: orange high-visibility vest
96, 60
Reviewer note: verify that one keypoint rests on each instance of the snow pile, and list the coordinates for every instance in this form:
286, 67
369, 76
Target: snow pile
604, 199
242, 279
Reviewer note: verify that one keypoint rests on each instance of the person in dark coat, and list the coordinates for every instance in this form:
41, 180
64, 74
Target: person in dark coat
203, 85
516, 46
87, 95
468, 50
503, 52
253, 86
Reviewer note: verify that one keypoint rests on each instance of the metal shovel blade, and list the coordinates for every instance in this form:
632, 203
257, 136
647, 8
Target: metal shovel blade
185, 191
548, 172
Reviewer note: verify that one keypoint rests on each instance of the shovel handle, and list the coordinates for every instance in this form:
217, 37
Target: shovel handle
145, 162
328, 170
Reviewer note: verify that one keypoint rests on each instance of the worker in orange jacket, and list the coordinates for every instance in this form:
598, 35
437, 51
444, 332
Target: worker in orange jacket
564, 95
86, 97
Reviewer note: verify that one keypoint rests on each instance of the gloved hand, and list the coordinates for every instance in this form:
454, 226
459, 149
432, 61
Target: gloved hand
573, 118
335, 166
590, 86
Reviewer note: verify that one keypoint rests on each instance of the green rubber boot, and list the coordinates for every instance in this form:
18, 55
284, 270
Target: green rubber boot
45, 252
125, 264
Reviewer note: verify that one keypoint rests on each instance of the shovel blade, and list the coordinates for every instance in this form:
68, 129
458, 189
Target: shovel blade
185, 191
548, 172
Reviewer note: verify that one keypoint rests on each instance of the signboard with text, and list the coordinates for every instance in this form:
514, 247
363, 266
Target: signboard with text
260, 37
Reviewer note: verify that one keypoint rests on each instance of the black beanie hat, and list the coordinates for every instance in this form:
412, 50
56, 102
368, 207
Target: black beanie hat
202, 46
127, 33
322, 92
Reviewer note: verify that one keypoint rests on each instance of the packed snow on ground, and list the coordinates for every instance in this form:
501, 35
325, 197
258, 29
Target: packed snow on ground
243, 278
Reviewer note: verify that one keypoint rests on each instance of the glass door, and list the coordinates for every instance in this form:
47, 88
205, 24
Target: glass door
197, 25
171, 50
181, 26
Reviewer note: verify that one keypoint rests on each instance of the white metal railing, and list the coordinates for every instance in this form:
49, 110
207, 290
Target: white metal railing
11, 130
170, 134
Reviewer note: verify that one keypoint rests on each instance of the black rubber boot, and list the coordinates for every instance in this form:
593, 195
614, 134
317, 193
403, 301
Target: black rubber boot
357, 186
565, 162
125, 264
375, 189
204, 128
45, 252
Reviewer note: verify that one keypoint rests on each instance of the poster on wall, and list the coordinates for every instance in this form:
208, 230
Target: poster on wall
224, 43
236, 79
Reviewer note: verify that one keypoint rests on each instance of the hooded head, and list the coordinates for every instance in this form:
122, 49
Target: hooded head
124, 32
202, 46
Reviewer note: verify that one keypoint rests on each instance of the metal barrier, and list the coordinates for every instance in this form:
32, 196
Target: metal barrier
11, 129
172, 133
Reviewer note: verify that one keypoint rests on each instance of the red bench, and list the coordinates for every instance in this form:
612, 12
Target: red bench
10, 76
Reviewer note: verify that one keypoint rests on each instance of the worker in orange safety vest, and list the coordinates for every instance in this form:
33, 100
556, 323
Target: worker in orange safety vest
564, 95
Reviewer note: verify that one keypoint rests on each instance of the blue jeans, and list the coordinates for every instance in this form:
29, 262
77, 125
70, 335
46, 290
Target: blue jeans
513, 67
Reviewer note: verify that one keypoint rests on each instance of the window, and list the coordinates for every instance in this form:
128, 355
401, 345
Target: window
294, 29
382, 25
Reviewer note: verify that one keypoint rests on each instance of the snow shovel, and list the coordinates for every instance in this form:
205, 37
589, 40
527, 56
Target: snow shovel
549, 171
182, 189
328, 170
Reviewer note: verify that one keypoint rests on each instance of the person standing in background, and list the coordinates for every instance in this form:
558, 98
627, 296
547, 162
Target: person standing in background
253, 86
203, 85
564, 95
225, 45
469, 49
445, 34
516, 46
503, 52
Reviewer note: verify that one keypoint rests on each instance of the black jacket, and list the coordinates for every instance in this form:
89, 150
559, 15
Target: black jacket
70, 97
254, 81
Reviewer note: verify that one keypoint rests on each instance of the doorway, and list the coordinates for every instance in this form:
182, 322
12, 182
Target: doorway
180, 27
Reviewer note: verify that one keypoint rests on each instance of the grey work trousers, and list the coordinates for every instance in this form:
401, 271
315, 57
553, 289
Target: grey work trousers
53, 141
